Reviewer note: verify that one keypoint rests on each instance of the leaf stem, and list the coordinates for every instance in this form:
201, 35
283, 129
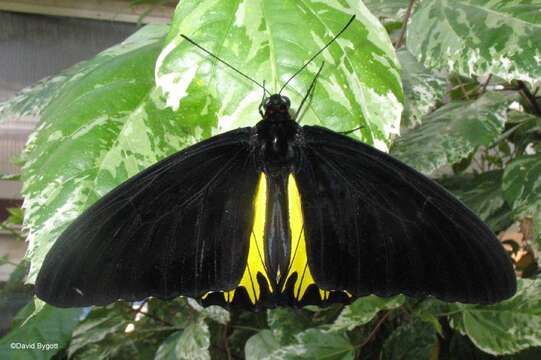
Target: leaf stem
147, 314
484, 88
404, 25
529, 97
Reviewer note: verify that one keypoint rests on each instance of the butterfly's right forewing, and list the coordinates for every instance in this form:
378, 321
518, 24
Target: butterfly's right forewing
181, 227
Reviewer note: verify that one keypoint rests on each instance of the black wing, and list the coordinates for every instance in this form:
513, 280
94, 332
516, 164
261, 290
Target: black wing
375, 226
182, 226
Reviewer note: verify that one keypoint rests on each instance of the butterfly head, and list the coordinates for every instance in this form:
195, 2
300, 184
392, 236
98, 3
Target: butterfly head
277, 107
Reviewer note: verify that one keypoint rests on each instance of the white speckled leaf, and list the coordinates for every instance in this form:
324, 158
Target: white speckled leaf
103, 126
32, 100
507, 327
261, 345
363, 310
422, 89
481, 37
194, 342
269, 40
316, 344
452, 132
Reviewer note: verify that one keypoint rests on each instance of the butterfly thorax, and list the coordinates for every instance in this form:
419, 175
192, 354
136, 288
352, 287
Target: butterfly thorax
276, 136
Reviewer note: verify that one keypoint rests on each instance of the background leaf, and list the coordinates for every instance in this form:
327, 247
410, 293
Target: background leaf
316, 344
387, 10
479, 37
260, 345
412, 341
453, 132
422, 89
522, 184
484, 195
364, 309
359, 86
507, 327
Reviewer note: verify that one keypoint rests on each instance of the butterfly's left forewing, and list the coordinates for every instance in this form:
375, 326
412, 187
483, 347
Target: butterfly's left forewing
180, 227
375, 226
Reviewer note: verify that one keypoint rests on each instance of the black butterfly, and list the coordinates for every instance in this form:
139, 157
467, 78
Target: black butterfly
276, 214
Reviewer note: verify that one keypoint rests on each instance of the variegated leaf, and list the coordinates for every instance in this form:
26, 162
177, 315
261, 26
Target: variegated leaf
452, 132
479, 37
422, 89
105, 124
387, 10
363, 310
507, 327
270, 40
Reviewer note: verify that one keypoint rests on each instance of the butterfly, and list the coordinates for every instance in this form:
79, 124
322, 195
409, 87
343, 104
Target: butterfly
276, 214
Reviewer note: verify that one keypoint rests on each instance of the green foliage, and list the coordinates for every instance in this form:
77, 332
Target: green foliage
453, 132
107, 118
507, 327
51, 327
412, 341
479, 37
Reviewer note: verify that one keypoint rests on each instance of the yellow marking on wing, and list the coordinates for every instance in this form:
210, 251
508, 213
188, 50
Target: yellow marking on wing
256, 260
299, 258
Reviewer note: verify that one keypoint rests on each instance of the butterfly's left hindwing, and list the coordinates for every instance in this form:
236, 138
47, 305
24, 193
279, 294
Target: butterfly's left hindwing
181, 227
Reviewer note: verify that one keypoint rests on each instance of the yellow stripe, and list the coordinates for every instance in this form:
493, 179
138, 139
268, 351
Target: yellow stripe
299, 259
256, 260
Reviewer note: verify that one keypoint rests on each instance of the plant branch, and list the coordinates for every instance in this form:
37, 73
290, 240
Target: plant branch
375, 330
404, 25
484, 88
529, 97
139, 311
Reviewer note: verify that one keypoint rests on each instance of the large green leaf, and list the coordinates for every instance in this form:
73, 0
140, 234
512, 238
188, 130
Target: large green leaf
500, 37
507, 327
102, 127
269, 40
32, 100
412, 341
51, 327
363, 310
422, 89
453, 132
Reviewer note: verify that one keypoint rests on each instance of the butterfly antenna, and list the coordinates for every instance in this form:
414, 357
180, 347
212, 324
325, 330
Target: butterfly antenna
316, 54
224, 62
310, 89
